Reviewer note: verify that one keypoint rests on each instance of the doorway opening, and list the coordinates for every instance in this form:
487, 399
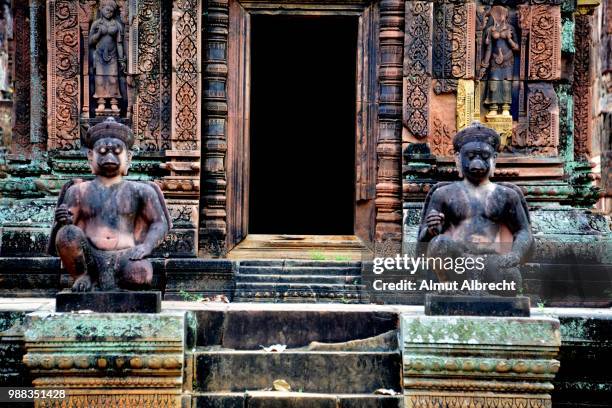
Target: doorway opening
302, 125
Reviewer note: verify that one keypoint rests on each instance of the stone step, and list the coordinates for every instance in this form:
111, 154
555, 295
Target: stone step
271, 295
306, 371
250, 328
312, 279
274, 399
284, 287
328, 298
299, 263
299, 270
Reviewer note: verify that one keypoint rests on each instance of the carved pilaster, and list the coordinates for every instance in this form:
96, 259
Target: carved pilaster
213, 213
582, 88
38, 74
545, 43
21, 95
388, 149
417, 67
63, 75
152, 100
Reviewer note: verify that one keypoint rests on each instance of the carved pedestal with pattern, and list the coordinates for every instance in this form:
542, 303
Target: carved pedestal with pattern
106, 359
461, 361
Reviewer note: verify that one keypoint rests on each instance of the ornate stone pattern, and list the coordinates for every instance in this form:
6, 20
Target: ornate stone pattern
478, 362
453, 42
388, 148
38, 70
102, 361
125, 399
417, 67
506, 367
148, 104
213, 213
582, 87
186, 75
435, 400
543, 119
21, 96
63, 75
545, 43
466, 103
442, 139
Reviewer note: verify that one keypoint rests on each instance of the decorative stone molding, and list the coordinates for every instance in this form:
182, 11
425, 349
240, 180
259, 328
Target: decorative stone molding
103, 359
479, 361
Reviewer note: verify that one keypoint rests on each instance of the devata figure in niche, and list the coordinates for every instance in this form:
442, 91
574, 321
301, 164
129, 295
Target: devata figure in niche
475, 218
500, 44
105, 228
106, 35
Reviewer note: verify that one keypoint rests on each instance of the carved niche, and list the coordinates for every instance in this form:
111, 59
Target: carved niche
105, 57
533, 50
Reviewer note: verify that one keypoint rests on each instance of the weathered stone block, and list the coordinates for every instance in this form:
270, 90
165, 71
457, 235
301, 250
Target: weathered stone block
290, 400
479, 361
190, 279
109, 302
220, 400
437, 305
585, 338
354, 372
249, 329
102, 360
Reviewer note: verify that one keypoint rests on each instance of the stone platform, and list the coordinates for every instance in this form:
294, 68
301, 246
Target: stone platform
337, 355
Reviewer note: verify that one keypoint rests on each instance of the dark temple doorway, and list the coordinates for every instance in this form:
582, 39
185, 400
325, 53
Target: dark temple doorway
302, 125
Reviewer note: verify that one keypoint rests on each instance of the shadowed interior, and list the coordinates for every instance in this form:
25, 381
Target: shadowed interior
302, 132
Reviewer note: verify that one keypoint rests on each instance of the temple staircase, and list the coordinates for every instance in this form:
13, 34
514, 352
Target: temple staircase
299, 281
354, 354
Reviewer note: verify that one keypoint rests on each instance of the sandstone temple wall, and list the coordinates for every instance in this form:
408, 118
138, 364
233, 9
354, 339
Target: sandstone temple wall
427, 72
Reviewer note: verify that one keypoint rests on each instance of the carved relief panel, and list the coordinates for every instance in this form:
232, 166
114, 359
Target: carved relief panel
492, 58
109, 58
498, 62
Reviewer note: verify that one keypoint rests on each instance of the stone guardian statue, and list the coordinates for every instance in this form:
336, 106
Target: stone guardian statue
106, 227
475, 217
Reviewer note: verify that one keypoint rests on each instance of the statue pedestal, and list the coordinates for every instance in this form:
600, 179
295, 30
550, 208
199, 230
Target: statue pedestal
107, 360
466, 361
502, 124
464, 305
109, 302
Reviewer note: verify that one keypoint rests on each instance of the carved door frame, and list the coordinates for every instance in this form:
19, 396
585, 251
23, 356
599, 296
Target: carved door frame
238, 99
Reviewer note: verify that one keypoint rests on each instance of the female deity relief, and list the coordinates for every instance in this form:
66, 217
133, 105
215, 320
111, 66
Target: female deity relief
500, 44
106, 35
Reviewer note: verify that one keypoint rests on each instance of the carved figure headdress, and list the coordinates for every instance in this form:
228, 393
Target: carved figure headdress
476, 132
109, 128
111, 3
